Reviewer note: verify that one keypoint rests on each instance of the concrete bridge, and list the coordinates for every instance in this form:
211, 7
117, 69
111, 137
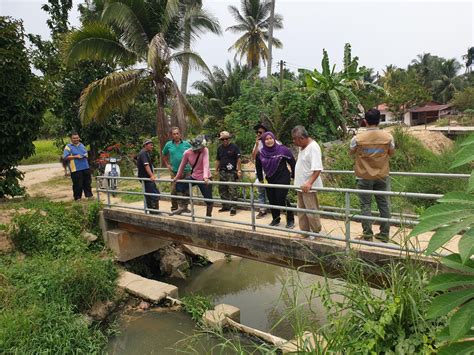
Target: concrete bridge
131, 232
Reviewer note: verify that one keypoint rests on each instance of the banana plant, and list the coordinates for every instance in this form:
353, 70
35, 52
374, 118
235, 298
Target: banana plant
452, 216
336, 92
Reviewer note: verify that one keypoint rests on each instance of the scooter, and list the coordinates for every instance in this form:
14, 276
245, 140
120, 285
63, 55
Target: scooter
112, 170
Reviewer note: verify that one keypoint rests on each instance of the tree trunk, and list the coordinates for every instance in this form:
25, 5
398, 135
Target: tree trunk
270, 39
186, 47
162, 125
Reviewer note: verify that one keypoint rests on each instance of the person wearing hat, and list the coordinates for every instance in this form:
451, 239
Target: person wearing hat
145, 171
172, 155
198, 157
228, 166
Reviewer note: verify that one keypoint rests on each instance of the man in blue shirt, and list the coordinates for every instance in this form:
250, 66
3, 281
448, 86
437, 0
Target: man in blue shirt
76, 155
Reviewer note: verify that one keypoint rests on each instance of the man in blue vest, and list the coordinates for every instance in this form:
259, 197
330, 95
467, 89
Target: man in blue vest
76, 155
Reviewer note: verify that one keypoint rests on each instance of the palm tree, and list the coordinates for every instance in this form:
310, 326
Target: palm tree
469, 58
254, 22
129, 33
446, 86
270, 38
196, 21
219, 90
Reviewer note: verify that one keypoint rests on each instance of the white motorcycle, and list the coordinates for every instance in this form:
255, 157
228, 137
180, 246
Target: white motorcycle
112, 169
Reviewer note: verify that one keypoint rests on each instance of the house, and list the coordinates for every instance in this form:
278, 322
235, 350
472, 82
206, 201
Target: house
386, 116
417, 115
427, 113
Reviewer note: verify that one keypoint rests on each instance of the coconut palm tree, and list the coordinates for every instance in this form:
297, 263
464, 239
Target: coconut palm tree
446, 86
132, 33
196, 20
469, 58
254, 22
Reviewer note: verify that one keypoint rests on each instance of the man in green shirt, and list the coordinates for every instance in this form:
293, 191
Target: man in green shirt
172, 155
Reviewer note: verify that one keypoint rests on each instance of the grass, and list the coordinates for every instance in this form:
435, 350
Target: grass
44, 292
45, 152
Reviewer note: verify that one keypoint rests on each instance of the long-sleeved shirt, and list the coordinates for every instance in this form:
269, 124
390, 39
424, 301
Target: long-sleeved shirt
282, 174
201, 170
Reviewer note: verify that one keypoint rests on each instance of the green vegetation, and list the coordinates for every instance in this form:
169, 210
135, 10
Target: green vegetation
196, 305
22, 106
45, 152
453, 216
43, 295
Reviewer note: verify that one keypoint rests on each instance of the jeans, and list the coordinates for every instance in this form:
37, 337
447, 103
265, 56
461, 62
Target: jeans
383, 205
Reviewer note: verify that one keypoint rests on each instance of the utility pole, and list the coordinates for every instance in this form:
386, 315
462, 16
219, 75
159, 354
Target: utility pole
282, 63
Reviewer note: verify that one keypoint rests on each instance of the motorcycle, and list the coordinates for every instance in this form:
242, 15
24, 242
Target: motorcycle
111, 169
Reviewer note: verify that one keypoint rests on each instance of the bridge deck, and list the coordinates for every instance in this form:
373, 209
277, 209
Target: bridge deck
331, 227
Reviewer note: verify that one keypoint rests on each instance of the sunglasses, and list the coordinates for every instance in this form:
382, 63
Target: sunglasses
225, 139
260, 132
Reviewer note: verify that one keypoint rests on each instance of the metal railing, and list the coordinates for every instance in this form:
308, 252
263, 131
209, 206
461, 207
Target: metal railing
346, 213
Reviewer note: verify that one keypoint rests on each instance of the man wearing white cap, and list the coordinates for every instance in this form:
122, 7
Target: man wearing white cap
228, 165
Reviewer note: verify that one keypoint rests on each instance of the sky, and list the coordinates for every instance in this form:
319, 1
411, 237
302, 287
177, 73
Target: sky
380, 32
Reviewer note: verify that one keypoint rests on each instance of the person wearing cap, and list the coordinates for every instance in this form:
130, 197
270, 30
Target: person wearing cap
228, 166
75, 154
198, 158
173, 152
145, 171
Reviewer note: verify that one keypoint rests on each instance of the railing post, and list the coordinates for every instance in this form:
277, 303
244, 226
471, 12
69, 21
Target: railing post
145, 208
97, 188
108, 194
348, 221
252, 207
193, 218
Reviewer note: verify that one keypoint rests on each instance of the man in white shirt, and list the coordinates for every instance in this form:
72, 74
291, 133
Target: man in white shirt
307, 176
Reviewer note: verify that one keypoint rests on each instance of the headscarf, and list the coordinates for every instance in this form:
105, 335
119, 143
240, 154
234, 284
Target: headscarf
271, 157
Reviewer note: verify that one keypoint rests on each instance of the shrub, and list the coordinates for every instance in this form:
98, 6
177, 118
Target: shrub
78, 281
48, 329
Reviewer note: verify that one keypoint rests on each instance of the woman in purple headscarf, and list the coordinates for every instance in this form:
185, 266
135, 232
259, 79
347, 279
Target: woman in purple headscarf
273, 160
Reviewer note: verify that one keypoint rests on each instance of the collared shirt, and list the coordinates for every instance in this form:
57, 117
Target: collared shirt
76, 164
176, 152
309, 161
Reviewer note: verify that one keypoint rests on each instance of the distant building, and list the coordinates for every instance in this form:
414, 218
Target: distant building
417, 115
427, 113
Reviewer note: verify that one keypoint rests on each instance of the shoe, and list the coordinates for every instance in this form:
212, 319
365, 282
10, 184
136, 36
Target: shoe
290, 225
186, 210
233, 212
177, 211
224, 209
366, 237
174, 209
275, 222
382, 237
261, 214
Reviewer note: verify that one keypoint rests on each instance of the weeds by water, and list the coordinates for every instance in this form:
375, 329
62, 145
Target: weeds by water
196, 305
43, 295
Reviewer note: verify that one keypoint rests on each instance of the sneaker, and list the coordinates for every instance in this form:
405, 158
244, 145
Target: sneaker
224, 209
233, 211
290, 225
186, 210
177, 211
382, 237
174, 209
261, 214
275, 222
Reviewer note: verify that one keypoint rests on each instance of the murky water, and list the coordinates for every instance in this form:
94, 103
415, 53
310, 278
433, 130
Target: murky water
259, 290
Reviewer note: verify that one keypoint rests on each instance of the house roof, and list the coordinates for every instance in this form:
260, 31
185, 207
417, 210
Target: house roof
430, 107
382, 107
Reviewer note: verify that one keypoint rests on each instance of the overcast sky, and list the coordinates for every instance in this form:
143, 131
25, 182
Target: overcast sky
380, 32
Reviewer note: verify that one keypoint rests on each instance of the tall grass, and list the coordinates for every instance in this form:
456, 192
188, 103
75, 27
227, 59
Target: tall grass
45, 152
